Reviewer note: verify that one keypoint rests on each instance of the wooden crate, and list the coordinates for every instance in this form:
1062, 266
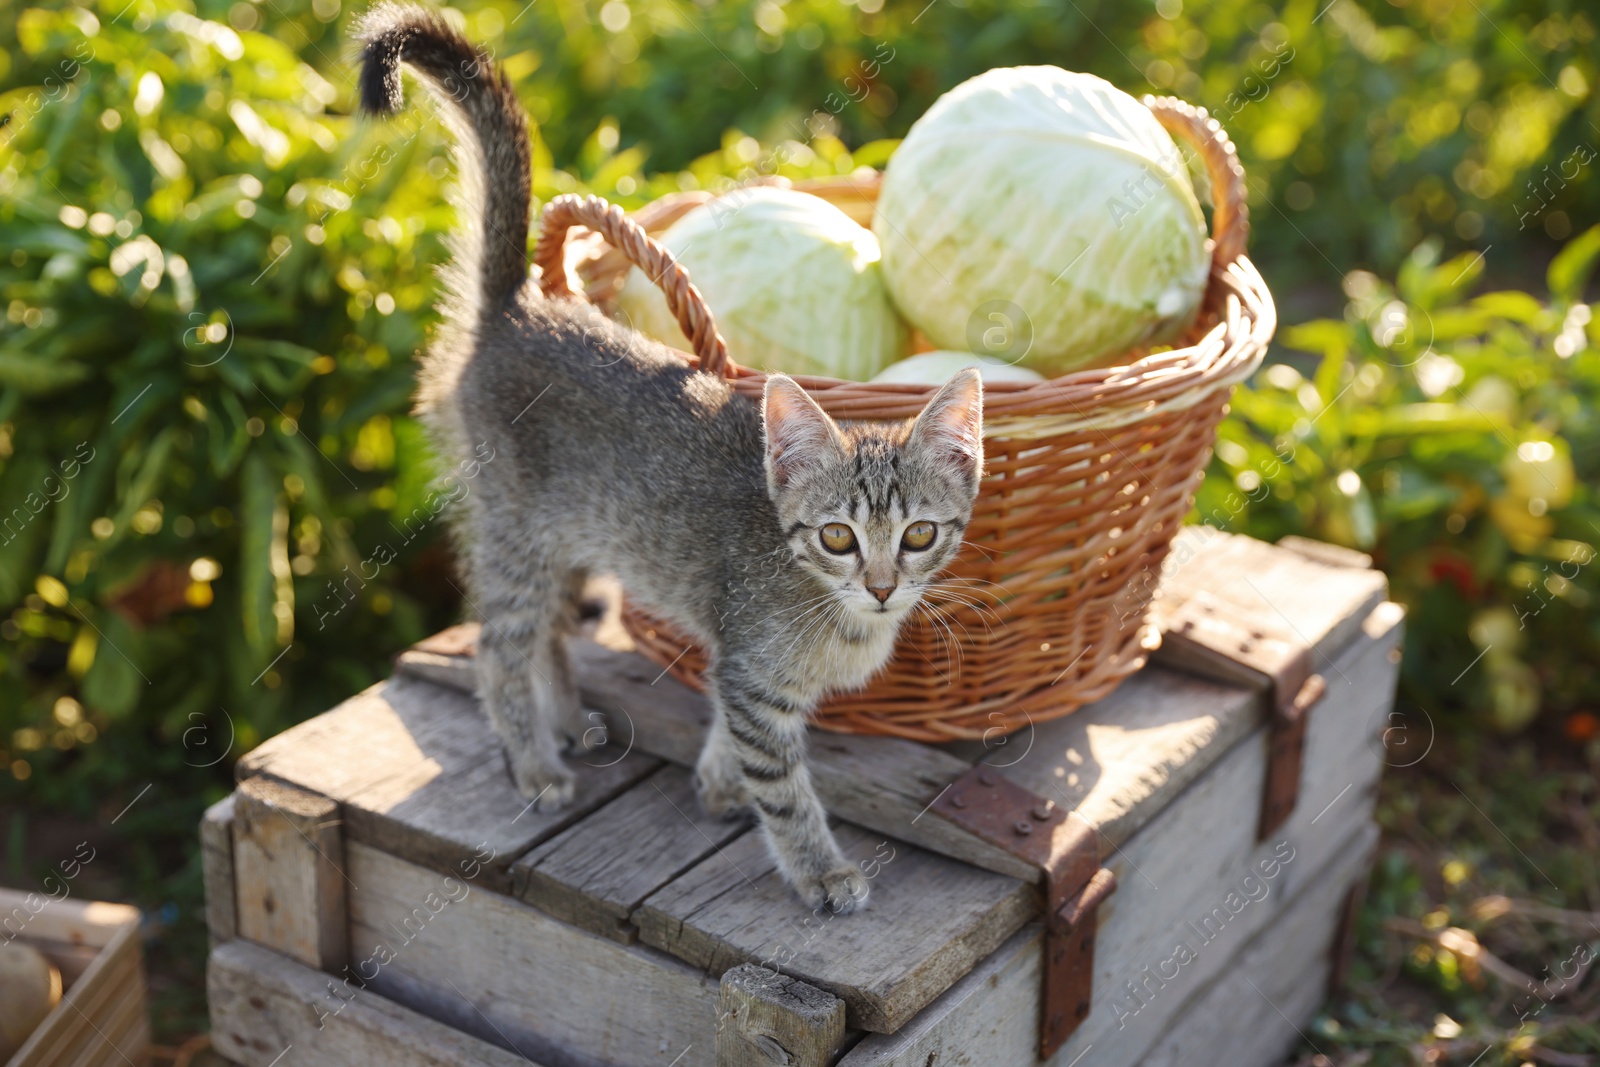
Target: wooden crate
378, 891
101, 1019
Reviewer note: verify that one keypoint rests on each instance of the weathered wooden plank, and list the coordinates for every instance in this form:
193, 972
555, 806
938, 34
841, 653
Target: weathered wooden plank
929, 921
989, 1017
509, 974
216, 864
992, 1015
418, 771
596, 872
340, 751
1321, 602
1120, 761
467, 804
288, 856
264, 1005
1325, 553
1251, 1013
769, 1018
116, 1008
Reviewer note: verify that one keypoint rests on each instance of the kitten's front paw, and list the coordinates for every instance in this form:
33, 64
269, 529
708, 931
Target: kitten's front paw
721, 796
842, 890
549, 786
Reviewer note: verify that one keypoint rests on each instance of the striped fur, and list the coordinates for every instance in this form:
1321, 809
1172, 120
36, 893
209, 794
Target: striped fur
608, 455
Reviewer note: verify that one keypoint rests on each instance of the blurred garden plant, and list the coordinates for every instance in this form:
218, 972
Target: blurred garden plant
184, 275
1456, 438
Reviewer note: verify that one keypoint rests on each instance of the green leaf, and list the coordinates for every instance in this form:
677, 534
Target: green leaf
1513, 305
227, 437
1569, 271
143, 485
1409, 420
1321, 336
114, 682
257, 586
22, 524
39, 376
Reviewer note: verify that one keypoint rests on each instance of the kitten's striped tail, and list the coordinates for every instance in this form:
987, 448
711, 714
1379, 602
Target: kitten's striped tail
491, 131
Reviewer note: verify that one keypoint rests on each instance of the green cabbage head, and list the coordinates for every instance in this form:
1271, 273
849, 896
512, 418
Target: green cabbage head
1044, 212
936, 368
793, 283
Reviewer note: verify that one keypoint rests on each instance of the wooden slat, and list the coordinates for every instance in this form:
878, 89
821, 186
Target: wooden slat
1321, 603
930, 920
288, 855
509, 974
97, 1001
418, 771
216, 864
1255, 1012
769, 1018
261, 1008
93, 923
595, 873
1120, 761
118, 1033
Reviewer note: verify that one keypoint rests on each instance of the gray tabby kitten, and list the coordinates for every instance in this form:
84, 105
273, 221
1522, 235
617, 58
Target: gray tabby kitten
790, 547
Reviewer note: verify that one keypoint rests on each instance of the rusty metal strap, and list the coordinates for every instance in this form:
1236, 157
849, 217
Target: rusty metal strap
1212, 637
987, 804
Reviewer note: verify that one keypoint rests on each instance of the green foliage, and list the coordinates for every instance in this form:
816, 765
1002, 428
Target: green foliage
1364, 127
1455, 437
195, 247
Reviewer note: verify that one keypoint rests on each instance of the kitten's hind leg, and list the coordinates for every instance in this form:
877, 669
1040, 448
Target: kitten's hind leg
718, 778
767, 736
524, 677
582, 730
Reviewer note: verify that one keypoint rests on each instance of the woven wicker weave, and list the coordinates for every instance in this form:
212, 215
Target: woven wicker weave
1087, 476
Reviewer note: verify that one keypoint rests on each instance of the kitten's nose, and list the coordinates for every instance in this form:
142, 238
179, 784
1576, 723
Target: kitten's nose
881, 591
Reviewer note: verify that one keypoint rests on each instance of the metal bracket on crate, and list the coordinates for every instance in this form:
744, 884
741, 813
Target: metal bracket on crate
990, 806
1212, 637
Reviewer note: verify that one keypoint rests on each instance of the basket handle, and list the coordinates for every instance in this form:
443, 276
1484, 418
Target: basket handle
1230, 221
621, 232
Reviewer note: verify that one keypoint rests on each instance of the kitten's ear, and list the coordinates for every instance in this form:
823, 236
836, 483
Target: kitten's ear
950, 429
799, 434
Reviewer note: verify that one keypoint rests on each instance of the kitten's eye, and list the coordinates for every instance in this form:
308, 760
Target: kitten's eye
919, 535
838, 538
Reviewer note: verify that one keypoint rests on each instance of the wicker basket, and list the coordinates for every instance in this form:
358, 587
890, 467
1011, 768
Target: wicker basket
1087, 477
